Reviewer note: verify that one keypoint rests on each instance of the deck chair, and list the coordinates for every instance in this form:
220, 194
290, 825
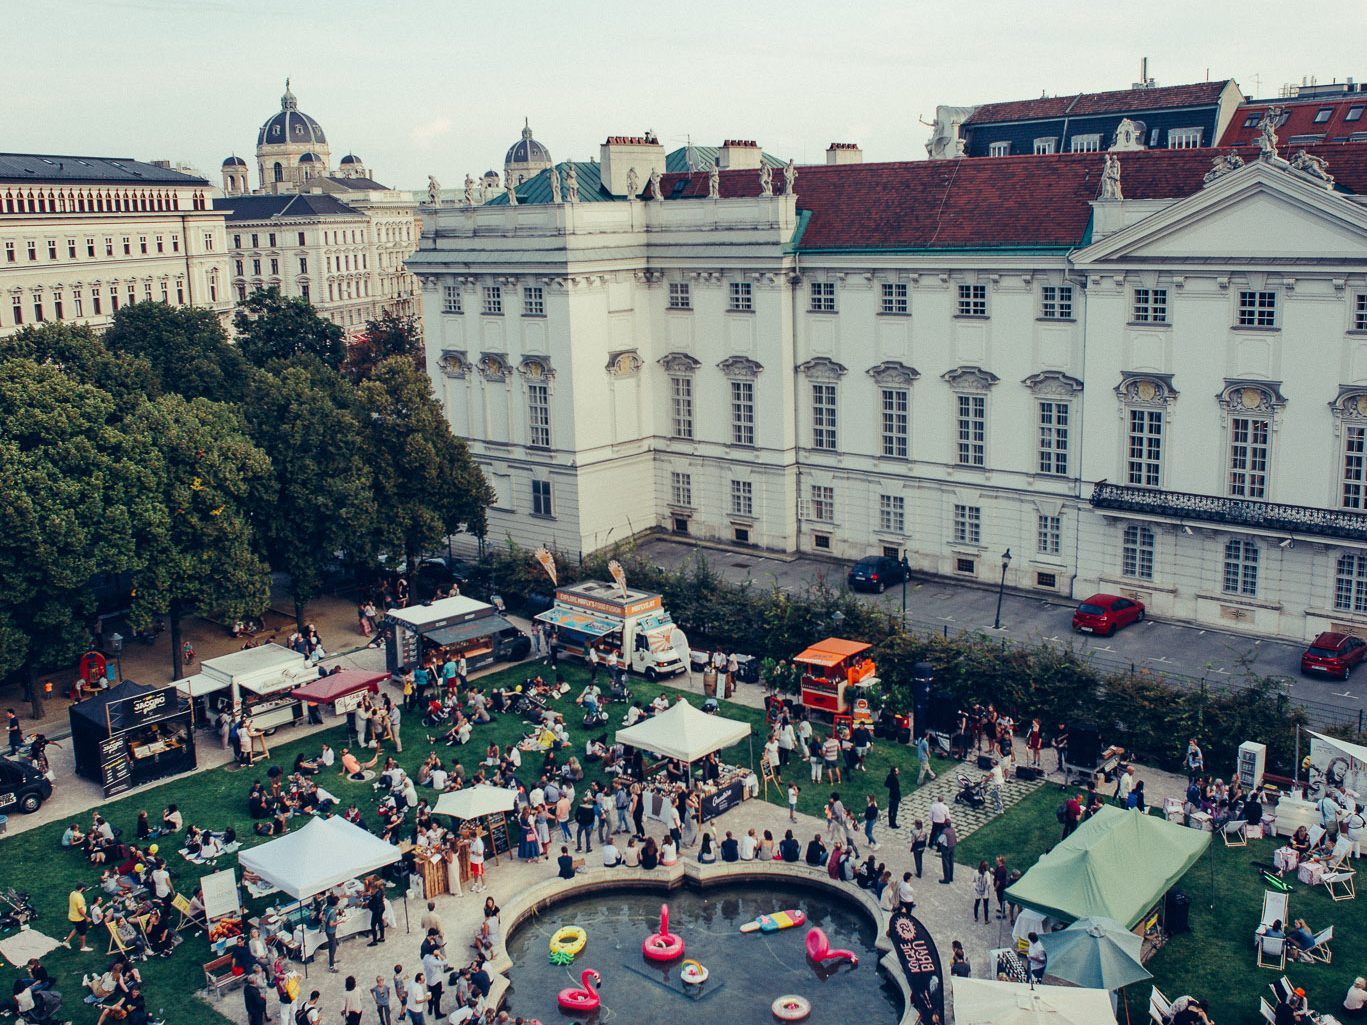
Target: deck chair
1316, 835
1268, 1011
116, 946
1340, 881
1320, 951
1233, 833
1276, 908
1160, 1007
1272, 952
1281, 990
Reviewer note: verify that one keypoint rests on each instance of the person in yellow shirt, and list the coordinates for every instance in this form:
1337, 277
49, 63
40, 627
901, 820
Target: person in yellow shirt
78, 916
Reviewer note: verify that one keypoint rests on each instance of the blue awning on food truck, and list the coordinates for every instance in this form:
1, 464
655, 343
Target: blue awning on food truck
578, 620
482, 627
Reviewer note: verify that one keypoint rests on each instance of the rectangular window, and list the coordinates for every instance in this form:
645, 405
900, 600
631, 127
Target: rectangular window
256, 267
742, 296
57, 305
237, 241
541, 498
892, 514
52, 249
972, 424
1043, 147
1145, 462
823, 297
271, 239
1257, 309
450, 299
823, 503
1049, 534
304, 291
90, 247
142, 244
275, 265
71, 249
1053, 437
1085, 144
972, 300
303, 265
301, 238
1241, 568
493, 300
1056, 302
208, 242
1354, 113
969, 566
742, 498
999, 149
896, 402
681, 489
1354, 465
539, 415
38, 309
1248, 445
1350, 583
127, 246
1137, 553
95, 299
968, 524
1251, 121
1360, 312
1184, 138
1150, 306
680, 295
108, 246
17, 310
33, 250
681, 406
681, 524
9, 252
78, 302
1323, 115
742, 412
896, 302
823, 417
175, 243
166, 292
256, 241
534, 301
180, 291
1049, 580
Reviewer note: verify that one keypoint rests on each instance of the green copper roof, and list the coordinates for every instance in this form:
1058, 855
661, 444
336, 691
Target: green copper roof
701, 158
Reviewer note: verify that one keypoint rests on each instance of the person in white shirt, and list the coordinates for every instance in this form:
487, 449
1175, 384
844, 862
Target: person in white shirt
1355, 1003
417, 998
1036, 956
905, 895
939, 815
326, 758
612, 857
748, 843
438, 778
161, 882
1124, 786
477, 864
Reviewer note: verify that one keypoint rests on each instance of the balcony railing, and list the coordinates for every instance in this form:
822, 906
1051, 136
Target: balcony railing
1270, 516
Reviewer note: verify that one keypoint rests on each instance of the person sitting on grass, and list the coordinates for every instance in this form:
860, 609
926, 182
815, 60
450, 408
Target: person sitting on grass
352, 768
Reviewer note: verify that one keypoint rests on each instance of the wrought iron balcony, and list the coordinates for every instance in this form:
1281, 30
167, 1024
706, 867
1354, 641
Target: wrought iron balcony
1273, 517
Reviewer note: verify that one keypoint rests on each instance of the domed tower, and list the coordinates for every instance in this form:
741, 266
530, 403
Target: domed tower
526, 158
235, 176
282, 144
352, 166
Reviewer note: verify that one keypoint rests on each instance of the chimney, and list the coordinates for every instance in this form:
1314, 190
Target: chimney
620, 153
739, 155
844, 153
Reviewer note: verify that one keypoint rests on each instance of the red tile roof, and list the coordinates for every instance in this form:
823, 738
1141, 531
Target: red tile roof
1027, 202
1082, 104
1300, 119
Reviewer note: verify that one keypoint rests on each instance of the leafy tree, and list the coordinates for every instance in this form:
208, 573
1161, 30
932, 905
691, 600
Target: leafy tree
79, 354
80, 491
391, 335
426, 485
186, 347
213, 484
322, 498
270, 326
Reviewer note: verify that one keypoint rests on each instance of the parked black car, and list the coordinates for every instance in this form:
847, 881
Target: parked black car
22, 786
876, 573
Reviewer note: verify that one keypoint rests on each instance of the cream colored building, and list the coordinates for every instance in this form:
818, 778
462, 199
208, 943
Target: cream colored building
82, 236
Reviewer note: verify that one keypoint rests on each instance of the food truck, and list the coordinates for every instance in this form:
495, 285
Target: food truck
608, 617
836, 677
452, 627
256, 681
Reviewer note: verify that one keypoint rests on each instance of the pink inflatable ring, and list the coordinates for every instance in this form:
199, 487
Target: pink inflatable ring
583, 997
663, 945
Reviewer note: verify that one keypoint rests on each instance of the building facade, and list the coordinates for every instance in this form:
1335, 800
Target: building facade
1141, 376
83, 236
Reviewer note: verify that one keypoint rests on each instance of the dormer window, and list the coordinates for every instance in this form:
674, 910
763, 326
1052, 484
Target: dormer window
1323, 115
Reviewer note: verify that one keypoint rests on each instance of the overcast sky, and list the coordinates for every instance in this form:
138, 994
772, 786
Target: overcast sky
418, 87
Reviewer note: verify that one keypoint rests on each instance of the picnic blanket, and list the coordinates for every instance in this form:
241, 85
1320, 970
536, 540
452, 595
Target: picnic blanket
27, 943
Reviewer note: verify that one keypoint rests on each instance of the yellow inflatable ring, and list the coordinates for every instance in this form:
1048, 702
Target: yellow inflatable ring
790, 1008
569, 940
693, 973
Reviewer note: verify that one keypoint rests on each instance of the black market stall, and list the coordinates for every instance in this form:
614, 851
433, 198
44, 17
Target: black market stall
132, 734
454, 628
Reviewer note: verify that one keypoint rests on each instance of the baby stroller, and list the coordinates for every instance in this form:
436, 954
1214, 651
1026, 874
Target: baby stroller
619, 691
971, 794
17, 909
525, 702
38, 1007
436, 714
595, 718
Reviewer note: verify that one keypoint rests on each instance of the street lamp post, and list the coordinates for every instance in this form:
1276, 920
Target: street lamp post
116, 642
1001, 588
906, 572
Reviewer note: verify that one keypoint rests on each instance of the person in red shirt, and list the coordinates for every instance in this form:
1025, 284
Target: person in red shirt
1072, 813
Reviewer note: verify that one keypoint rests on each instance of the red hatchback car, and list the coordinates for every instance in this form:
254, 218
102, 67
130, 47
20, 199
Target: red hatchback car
1333, 654
1104, 614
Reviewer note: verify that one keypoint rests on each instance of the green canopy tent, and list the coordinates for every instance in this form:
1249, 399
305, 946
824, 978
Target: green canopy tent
1118, 864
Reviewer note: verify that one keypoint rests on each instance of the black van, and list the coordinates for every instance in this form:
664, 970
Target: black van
22, 786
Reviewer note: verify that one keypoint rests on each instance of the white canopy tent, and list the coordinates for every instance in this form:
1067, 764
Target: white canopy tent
475, 802
323, 854
987, 1002
685, 733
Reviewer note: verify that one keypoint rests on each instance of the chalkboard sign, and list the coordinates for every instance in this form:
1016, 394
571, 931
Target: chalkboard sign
116, 768
498, 833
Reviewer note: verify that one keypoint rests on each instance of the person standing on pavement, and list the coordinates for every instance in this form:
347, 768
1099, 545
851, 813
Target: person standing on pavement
603, 812
793, 791
1195, 760
999, 877
374, 903
1060, 745
1124, 785
330, 918
923, 760
16, 731
417, 1000
982, 892
906, 896
948, 841
918, 844
380, 994
584, 815
893, 783
351, 1002
995, 785
434, 969
870, 818
939, 816
255, 1001
1034, 741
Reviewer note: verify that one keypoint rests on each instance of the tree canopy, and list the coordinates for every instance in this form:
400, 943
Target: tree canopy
270, 326
391, 335
186, 347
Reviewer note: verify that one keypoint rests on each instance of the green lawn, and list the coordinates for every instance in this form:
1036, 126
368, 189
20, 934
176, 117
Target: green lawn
35, 862
1216, 959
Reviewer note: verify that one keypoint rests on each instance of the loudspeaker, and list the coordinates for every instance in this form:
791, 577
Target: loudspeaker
984, 761
942, 715
1176, 912
1029, 772
1084, 746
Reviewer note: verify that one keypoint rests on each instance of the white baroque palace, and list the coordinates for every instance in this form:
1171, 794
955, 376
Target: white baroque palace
1144, 374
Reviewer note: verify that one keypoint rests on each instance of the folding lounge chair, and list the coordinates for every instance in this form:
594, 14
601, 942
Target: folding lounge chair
1320, 951
1160, 1007
1276, 907
1272, 952
1340, 881
1233, 833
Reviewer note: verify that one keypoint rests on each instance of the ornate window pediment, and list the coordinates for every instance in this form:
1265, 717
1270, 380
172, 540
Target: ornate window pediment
493, 366
821, 368
1154, 390
1351, 404
972, 379
624, 363
454, 363
893, 373
536, 368
1053, 384
1241, 396
740, 366
679, 363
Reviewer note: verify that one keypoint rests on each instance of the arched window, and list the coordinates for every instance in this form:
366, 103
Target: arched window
279, 171
1350, 583
1241, 567
1137, 552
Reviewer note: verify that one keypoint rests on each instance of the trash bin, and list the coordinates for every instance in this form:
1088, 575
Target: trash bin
709, 681
1177, 913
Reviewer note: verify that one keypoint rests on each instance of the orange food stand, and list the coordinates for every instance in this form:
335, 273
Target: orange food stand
834, 677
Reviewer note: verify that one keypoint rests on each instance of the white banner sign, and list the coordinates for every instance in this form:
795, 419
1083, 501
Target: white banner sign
220, 894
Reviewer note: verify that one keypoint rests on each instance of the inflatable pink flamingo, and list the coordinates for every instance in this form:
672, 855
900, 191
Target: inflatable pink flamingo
663, 945
819, 949
583, 997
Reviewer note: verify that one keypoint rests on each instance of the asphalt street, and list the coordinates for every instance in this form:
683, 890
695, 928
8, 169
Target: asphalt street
1183, 652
